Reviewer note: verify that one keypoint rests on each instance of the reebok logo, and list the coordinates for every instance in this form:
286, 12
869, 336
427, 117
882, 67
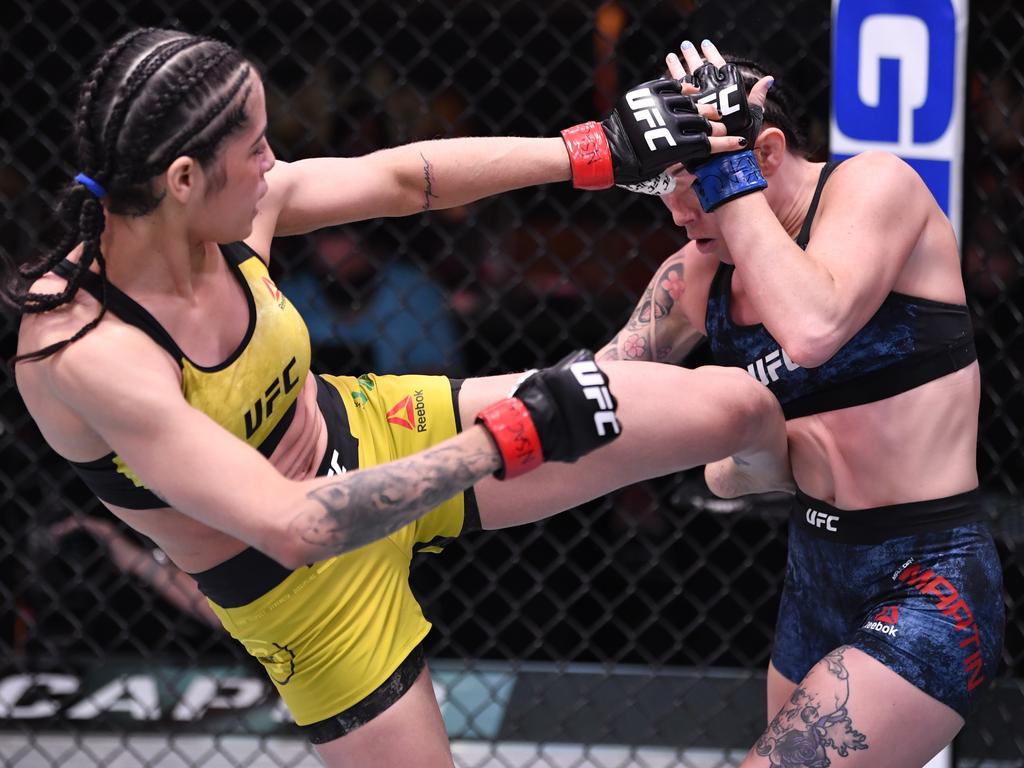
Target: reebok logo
336, 468
821, 520
401, 413
275, 292
885, 621
645, 110
889, 615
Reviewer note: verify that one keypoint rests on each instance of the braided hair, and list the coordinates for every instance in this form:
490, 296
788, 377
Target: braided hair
153, 96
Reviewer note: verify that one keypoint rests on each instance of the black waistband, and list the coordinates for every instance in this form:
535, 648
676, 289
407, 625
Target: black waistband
251, 574
878, 524
241, 579
274, 437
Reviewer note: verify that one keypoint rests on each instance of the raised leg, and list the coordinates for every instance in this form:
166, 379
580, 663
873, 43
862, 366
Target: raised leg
672, 418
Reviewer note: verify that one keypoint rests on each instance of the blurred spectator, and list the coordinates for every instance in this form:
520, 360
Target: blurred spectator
367, 312
150, 566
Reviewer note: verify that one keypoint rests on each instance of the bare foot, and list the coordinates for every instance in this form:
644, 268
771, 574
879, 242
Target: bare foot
733, 477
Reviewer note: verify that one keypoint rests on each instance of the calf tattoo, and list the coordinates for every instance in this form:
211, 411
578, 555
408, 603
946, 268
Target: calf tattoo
364, 506
813, 723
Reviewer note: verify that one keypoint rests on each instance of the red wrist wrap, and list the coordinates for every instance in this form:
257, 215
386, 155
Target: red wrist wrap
510, 425
590, 157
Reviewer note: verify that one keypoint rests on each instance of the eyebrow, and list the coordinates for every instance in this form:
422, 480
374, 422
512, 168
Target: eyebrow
259, 138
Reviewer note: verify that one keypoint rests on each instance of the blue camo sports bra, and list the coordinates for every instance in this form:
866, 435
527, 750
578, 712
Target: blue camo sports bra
908, 342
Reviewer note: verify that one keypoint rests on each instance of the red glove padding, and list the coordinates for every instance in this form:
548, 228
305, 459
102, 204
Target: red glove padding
652, 127
557, 414
513, 431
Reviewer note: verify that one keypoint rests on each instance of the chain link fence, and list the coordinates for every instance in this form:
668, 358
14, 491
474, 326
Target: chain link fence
631, 626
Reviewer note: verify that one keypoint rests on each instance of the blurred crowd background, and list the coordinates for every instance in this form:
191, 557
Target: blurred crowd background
654, 575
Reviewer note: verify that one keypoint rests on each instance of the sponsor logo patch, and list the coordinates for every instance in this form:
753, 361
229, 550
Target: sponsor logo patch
821, 520
401, 413
410, 412
886, 620
275, 292
279, 661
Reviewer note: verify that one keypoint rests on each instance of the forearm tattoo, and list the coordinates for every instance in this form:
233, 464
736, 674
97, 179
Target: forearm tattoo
814, 723
637, 340
364, 506
428, 182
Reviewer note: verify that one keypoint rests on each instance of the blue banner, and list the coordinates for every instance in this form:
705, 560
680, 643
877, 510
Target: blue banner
898, 78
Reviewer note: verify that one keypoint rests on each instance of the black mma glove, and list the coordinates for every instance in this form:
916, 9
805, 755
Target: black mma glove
728, 175
652, 127
556, 414
723, 88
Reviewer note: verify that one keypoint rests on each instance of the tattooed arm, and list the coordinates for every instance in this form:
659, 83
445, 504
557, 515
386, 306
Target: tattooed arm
658, 330
319, 192
125, 397
346, 511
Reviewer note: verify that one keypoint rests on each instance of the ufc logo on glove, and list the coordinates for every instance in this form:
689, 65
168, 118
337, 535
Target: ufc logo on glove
645, 109
594, 388
726, 106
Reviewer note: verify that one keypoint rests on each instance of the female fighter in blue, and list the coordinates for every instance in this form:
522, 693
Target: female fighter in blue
838, 288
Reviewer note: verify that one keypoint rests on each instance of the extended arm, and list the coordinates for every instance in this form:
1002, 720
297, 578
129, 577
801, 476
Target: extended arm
401, 181
653, 126
205, 472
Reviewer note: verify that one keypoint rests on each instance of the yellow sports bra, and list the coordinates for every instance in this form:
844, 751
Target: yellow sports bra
252, 394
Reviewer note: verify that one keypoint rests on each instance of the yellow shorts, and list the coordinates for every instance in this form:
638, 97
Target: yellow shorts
334, 635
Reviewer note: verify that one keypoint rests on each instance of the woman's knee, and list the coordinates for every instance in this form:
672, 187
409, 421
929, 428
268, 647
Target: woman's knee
747, 407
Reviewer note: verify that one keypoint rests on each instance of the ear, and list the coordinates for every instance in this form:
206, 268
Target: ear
770, 149
183, 178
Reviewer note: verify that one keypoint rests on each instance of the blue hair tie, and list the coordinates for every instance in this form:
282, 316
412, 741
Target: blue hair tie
93, 186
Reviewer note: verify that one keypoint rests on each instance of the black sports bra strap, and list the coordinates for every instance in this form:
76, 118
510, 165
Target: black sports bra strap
805, 231
125, 307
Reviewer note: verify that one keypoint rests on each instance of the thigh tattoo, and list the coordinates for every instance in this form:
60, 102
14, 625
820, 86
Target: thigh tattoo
811, 724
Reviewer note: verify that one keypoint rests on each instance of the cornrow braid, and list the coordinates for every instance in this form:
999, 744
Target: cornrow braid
71, 201
148, 67
149, 81
91, 221
179, 144
202, 147
89, 90
186, 82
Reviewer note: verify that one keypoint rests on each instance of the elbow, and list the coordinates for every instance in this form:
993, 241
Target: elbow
811, 347
288, 548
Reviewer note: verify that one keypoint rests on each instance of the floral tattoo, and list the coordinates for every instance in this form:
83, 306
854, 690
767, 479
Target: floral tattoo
650, 334
813, 723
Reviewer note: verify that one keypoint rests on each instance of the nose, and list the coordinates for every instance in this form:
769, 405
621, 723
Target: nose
268, 158
683, 205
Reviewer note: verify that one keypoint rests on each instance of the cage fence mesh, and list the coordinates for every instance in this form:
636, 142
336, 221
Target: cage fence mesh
638, 626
